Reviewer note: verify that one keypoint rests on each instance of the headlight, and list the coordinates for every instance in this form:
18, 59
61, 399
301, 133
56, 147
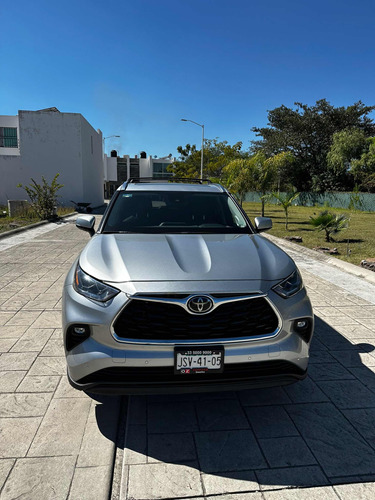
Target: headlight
291, 285
91, 288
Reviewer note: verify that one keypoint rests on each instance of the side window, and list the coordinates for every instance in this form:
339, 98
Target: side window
237, 217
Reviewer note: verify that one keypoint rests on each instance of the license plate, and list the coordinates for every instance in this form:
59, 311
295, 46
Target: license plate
190, 360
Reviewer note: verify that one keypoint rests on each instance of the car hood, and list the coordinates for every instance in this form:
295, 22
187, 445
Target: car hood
120, 258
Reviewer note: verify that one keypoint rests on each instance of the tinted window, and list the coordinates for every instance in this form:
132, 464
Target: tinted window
173, 212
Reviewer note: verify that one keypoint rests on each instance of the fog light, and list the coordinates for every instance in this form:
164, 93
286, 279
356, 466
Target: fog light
301, 324
79, 330
75, 335
304, 328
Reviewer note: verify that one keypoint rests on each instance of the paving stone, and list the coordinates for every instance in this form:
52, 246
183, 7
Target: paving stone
65, 390
53, 347
156, 481
363, 421
12, 332
5, 317
354, 331
221, 451
17, 360
6, 344
336, 445
39, 478
16, 435
326, 492
5, 467
23, 405
230, 482
329, 371
38, 383
24, 318
305, 391
135, 451
10, 380
241, 496
62, 428
172, 417
48, 366
91, 483
216, 415
172, 448
48, 319
270, 422
137, 410
34, 339
348, 393
99, 438
365, 491
366, 375
269, 396
291, 477
286, 452
320, 357
353, 359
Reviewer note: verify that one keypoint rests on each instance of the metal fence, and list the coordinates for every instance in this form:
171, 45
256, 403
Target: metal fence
358, 201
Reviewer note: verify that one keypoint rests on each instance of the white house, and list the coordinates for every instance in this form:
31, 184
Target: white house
47, 142
118, 169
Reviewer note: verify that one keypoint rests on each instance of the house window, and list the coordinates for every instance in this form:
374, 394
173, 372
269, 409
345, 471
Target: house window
8, 137
160, 170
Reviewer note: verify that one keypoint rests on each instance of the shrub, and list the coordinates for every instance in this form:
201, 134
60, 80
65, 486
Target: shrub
43, 197
330, 223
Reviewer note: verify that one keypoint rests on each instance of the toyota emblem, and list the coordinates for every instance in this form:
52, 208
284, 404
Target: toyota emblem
200, 304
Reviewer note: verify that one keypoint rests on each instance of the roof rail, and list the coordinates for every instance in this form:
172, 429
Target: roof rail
133, 180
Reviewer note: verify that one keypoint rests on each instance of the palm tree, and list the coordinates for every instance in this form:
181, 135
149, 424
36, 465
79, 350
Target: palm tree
330, 223
286, 201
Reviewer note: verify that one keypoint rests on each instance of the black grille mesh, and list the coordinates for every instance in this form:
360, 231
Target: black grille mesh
147, 320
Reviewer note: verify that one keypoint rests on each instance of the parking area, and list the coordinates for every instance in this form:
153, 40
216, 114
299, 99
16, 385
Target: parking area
313, 439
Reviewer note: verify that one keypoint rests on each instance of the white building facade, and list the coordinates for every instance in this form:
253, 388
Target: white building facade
43, 143
118, 169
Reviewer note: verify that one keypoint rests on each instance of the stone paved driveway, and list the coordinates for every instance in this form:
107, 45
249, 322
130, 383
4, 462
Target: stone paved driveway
311, 440
55, 442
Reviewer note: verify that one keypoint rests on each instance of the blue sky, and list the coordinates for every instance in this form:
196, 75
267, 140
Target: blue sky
135, 68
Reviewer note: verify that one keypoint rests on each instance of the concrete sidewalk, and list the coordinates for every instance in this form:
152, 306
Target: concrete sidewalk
314, 439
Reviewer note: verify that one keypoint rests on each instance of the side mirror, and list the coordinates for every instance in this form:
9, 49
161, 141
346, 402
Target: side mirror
86, 223
263, 223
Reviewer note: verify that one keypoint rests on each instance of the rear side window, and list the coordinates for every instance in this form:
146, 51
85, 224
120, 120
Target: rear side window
166, 212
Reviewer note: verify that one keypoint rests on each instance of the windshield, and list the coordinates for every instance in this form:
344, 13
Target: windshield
174, 212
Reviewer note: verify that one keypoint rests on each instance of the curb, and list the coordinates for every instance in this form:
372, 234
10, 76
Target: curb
7, 234
358, 271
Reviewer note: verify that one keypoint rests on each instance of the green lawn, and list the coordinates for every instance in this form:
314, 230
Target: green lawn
29, 217
359, 238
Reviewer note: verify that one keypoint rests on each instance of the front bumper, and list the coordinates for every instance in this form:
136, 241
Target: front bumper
103, 364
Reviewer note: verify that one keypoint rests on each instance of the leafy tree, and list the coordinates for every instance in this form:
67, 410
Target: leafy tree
251, 174
217, 154
330, 223
43, 196
282, 163
238, 177
306, 132
286, 201
363, 169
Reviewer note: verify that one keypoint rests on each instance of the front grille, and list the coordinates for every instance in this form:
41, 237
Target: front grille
165, 374
148, 320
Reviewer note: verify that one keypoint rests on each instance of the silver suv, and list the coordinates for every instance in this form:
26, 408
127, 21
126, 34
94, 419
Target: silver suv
178, 292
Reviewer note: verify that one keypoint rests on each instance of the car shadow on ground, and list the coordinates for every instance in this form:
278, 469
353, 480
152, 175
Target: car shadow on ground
316, 432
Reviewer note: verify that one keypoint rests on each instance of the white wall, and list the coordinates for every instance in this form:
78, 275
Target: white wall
110, 168
145, 169
50, 143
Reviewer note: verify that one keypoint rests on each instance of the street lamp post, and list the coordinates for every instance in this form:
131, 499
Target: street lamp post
185, 120
104, 138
